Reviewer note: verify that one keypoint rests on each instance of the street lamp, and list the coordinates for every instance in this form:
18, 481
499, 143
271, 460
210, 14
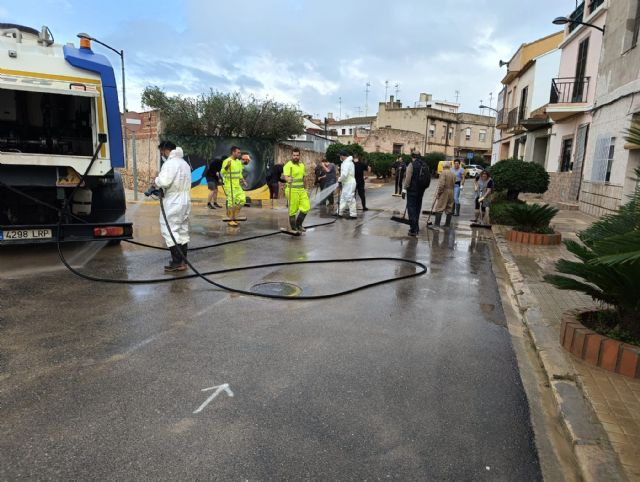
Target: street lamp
86, 36
487, 107
565, 20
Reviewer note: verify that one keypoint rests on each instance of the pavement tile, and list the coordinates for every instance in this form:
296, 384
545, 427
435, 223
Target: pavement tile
615, 398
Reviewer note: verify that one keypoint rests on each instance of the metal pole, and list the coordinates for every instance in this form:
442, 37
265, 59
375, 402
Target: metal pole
135, 167
124, 110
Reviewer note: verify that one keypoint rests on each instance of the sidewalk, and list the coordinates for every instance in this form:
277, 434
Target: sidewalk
615, 399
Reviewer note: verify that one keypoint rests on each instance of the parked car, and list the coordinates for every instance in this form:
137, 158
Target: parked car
473, 170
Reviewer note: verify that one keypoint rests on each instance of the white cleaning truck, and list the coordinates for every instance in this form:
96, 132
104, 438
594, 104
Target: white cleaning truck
59, 121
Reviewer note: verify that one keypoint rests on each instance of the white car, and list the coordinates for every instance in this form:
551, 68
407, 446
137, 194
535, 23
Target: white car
473, 170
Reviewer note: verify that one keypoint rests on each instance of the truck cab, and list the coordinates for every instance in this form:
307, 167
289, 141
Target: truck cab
58, 106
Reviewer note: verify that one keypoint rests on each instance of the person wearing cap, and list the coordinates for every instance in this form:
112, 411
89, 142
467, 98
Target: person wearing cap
175, 181
293, 173
348, 180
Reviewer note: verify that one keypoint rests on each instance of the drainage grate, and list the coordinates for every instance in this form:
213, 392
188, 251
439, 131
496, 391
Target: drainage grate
277, 288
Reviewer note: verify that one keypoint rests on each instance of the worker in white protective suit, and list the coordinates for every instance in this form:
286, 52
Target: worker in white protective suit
348, 181
175, 180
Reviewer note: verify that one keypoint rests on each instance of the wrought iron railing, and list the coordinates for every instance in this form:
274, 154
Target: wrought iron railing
501, 117
513, 118
569, 90
593, 4
576, 16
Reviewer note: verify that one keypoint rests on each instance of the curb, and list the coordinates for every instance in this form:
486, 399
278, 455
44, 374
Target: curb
596, 458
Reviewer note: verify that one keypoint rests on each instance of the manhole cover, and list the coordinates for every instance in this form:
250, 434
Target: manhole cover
277, 288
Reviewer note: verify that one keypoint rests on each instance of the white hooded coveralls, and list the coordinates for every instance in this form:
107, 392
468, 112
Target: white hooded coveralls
348, 180
175, 180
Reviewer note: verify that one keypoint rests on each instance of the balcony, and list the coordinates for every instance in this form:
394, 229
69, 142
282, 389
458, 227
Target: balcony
576, 16
569, 96
501, 119
512, 120
594, 4
569, 90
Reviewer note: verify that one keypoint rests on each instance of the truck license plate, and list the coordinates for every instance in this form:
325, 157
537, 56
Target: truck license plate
19, 234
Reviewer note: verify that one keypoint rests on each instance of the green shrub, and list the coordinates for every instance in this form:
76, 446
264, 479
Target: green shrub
432, 159
500, 213
381, 163
608, 266
333, 151
517, 176
532, 218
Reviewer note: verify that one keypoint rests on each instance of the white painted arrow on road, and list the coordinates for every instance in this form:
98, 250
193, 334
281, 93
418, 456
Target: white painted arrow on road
218, 389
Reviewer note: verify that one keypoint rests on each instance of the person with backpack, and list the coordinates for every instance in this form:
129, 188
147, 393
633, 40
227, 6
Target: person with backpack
416, 181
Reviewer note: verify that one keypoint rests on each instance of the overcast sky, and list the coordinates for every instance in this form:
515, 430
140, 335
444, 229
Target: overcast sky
308, 53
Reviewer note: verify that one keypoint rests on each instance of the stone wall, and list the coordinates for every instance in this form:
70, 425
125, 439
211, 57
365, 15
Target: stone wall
146, 150
559, 188
382, 140
599, 199
310, 159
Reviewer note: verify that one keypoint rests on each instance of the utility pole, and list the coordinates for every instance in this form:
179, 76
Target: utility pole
366, 99
359, 109
481, 109
386, 90
340, 112
457, 95
397, 87
490, 99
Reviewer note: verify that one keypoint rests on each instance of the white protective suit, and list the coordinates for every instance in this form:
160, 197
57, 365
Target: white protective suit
348, 180
175, 180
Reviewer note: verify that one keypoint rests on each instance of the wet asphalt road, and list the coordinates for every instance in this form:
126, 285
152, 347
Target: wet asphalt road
414, 380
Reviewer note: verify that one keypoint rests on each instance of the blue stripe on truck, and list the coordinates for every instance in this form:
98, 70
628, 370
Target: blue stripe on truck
85, 59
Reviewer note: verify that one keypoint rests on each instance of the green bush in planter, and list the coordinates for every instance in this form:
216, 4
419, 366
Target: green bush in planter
608, 266
517, 176
432, 159
531, 218
333, 151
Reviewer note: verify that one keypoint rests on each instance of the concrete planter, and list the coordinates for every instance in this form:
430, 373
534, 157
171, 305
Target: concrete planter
598, 350
533, 238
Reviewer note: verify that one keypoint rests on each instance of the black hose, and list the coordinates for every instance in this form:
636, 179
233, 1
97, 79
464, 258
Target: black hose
198, 274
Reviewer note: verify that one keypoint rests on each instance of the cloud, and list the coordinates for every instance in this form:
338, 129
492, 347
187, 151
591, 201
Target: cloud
310, 53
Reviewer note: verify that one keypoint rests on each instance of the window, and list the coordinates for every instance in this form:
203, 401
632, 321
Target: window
636, 26
350, 131
581, 70
397, 149
523, 104
450, 133
612, 148
344, 132
467, 133
482, 137
432, 130
603, 160
565, 161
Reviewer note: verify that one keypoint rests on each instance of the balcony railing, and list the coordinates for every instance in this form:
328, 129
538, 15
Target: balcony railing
513, 118
501, 117
569, 90
593, 4
576, 16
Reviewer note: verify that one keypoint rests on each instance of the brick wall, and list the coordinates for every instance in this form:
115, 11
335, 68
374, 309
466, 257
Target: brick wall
147, 155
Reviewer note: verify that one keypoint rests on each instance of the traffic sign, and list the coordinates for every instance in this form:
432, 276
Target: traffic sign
133, 121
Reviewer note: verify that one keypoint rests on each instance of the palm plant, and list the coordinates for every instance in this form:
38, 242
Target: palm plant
532, 218
609, 263
633, 134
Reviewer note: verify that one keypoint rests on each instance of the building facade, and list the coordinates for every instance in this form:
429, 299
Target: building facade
572, 96
608, 174
521, 120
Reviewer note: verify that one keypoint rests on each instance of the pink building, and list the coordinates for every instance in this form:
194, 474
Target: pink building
572, 96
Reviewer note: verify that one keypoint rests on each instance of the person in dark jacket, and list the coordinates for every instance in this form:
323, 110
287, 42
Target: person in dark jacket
413, 192
274, 178
400, 169
360, 170
213, 181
